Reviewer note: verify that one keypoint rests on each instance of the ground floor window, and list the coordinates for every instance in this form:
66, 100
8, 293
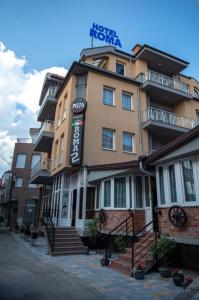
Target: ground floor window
161, 185
188, 177
147, 190
120, 192
107, 193
172, 183
138, 192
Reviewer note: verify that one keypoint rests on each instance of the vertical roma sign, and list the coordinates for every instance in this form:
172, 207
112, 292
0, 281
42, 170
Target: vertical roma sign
78, 109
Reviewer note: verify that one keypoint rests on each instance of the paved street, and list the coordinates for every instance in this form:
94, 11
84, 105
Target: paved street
113, 285
23, 276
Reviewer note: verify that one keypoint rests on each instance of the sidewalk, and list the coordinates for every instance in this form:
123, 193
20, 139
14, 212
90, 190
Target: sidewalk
114, 285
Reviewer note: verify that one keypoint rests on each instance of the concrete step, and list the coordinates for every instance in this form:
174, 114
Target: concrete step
66, 245
121, 267
67, 239
70, 249
76, 252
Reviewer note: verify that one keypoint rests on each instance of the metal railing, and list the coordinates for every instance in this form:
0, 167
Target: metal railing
42, 165
51, 92
47, 126
170, 118
50, 228
163, 80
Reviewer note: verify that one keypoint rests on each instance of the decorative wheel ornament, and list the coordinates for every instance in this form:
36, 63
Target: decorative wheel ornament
177, 216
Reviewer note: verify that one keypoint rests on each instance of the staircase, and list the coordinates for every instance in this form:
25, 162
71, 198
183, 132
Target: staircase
139, 244
67, 242
62, 241
142, 256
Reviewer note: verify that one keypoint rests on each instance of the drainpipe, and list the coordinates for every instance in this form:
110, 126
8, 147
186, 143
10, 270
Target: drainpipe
143, 170
139, 122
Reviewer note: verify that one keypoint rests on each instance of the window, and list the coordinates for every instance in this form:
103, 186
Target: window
138, 191
108, 96
21, 161
196, 92
98, 196
19, 182
147, 191
32, 185
35, 159
161, 185
108, 136
127, 142
120, 68
107, 193
189, 186
65, 103
127, 101
120, 192
172, 183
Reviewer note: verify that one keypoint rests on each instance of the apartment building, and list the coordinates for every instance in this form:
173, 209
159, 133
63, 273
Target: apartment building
24, 195
111, 109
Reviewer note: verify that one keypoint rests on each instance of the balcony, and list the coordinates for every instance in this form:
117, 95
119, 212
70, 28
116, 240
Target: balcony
44, 138
40, 174
154, 119
162, 88
47, 109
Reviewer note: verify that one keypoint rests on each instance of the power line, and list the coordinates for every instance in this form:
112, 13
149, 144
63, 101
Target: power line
9, 163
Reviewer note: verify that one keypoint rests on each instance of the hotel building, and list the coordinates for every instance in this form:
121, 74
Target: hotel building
128, 105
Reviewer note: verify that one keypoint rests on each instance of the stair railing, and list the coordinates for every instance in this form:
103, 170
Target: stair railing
151, 233
50, 228
125, 229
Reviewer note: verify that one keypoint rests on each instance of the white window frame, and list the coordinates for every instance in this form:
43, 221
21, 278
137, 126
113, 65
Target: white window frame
114, 142
132, 140
165, 182
100, 196
128, 94
120, 63
113, 91
25, 155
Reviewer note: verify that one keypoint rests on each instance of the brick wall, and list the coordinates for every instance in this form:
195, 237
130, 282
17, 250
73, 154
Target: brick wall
114, 217
191, 230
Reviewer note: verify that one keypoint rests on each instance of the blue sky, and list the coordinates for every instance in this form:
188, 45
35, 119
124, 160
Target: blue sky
53, 32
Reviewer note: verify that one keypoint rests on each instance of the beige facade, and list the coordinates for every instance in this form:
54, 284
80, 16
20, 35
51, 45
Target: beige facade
163, 106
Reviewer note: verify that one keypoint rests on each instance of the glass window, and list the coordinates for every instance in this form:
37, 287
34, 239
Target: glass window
172, 183
19, 182
107, 193
32, 185
196, 92
35, 160
108, 138
189, 186
161, 183
126, 101
127, 142
130, 191
21, 161
147, 190
108, 96
98, 196
138, 191
120, 192
119, 68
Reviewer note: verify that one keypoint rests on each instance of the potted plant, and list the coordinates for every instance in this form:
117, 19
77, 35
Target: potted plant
92, 233
138, 272
187, 281
162, 250
16, 229
120, 243
34, 235
178, 277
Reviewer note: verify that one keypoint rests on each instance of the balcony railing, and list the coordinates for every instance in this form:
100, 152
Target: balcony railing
48, 126
163, 80
163, 116
42, 165
51, 92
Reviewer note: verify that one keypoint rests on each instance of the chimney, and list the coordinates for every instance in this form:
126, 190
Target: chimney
136, 48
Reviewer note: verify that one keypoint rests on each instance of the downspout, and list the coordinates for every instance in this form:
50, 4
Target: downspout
139, 122
143, 170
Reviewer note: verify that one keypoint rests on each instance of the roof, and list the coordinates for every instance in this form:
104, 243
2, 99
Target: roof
174, 144
116, 166
80, 68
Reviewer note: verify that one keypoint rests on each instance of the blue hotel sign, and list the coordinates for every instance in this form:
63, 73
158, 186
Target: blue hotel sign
105, 34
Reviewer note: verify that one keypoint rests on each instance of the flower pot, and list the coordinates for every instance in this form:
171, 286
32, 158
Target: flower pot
138, 275
165, 272
104, 262
178, 280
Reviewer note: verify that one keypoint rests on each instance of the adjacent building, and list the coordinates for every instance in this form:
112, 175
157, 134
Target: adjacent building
111, 109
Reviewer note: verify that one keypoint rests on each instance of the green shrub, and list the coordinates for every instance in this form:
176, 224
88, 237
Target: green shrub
120, 243
164, 249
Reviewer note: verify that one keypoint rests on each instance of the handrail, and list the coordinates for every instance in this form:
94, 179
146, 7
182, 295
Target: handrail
50, 228
167, 117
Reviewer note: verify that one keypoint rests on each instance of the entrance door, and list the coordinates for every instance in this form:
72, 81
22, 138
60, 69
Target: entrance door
148, 204
74, 207
90, 203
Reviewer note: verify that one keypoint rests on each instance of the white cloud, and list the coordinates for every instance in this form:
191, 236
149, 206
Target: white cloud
19, 99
